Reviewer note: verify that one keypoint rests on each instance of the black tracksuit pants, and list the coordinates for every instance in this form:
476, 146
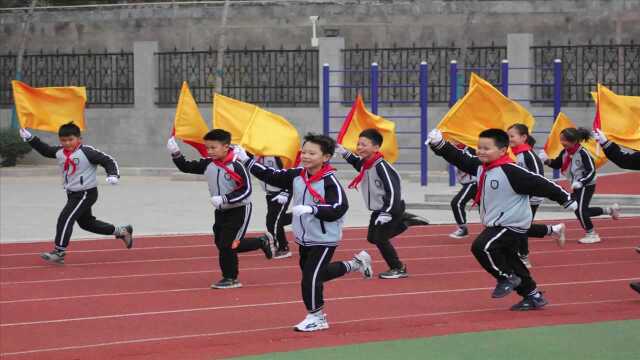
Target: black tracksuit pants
585, 213
458, 203
277, 219
381, 236
317, 268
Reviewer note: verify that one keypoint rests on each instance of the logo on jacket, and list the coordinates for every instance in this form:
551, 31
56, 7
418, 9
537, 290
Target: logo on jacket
227, 177
578, 162
494, 184
378, 183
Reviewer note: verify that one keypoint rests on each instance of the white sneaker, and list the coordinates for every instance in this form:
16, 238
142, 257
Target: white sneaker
615, 211
313, 322
364, 264
560, 230
590, 238
461, 232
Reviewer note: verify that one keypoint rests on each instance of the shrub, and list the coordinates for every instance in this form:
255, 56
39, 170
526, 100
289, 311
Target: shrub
12, 147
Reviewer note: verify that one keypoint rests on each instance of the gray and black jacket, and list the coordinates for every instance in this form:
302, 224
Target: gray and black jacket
582, 167
380, 186
530, 161
505, 197
220, 183
272, 162
323, 226
623, 159
87, 158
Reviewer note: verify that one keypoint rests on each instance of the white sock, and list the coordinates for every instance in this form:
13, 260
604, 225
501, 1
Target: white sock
555, 229
352, 265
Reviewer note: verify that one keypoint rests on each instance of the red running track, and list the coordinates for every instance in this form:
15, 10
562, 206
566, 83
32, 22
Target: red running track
153, 302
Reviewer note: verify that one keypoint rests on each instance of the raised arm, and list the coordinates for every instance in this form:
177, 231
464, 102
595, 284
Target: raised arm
190, 166
282, 178
457, 157
43, 148
622, 159
526, 182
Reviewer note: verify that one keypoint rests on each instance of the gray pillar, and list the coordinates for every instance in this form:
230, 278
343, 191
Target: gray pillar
520, 64
330, 52
145, 73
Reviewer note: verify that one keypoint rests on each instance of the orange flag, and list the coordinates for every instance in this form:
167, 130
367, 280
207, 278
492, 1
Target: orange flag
48, 108
358, 119
188, 124
618, 117
553, 147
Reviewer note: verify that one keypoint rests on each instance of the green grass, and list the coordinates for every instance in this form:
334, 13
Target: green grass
602, 341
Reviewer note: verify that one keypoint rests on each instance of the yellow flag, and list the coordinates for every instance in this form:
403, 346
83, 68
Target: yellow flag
619, 117
48, 108
483, 107
358, 119
553, 147
232, 115
188, 124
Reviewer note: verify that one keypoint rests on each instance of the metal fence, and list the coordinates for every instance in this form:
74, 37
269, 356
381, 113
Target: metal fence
484, 61
616, 66
266, 77
107, 76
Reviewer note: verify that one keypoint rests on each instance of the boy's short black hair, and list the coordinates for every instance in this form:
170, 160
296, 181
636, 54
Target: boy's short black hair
499, 136
220, 135
373, 135
69, 129
327, 144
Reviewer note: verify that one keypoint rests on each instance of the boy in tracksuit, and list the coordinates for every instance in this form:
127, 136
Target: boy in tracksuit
503, 198
466, 194
277, 204
78, 163
380, 188
230, 191
319, 205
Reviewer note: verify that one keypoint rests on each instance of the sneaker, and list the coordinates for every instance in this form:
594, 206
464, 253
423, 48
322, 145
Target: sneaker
226, 284
560, 230
282, 254
364, 261
615, 211
525, 260
125, 233
410, 219
460, 233
55, 256
504, 287
313, 322
268, 245
530, 303
635, 286
590, 238
394, 273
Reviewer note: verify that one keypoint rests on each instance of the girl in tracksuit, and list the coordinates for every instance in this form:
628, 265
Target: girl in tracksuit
466, 194
319, 205
578, 166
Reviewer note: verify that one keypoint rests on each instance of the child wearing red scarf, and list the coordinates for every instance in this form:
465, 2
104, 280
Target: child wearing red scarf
503, 195
578, 166
379, 184
319, 205
521, 143
78, 163
230, 191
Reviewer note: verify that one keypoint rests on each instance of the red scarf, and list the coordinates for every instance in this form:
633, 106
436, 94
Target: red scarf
520, 148
365, 166
568, 155
326, 168
461, 146
223, 164
504, 159
68, 161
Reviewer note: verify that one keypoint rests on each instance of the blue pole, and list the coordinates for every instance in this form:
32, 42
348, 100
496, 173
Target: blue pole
374, 88
557, 97
504, 69
325, 99
453, 97
424, 118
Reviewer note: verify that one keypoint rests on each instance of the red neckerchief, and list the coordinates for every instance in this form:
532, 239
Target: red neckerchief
68, 161
461, 146
365, 166
504, 159
324, 170
568, 155
520, 148
223, 164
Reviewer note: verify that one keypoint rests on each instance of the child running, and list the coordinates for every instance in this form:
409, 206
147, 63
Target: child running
319, 205
577, 165
230, 191
466, 194
78, 163
503, 198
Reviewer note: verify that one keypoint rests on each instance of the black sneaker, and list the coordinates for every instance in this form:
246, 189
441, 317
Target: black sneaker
268, 245
530, 303
410, 219
226, 284
394, 273
635, 286
56, 256
506, 286
125, 234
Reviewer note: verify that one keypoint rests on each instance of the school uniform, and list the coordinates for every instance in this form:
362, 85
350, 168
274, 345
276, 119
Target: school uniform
277, 217
466, 193
625, 160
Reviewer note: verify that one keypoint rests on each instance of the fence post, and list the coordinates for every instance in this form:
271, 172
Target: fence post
325, 99
145, 75
453, 97
374, 88
557, 97
424, 118
504, 69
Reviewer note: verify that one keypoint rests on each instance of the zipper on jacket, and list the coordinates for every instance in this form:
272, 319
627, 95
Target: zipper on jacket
81, 181
324, 231
496, 221
304, 193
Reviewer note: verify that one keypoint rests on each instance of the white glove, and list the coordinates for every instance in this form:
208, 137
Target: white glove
281, 198
340, 150
217, 201
25, 134
112, 180
172, 145
382, 218
600, 137
299, 210
434, 137
576, 185
543, 156
240, 152
573, 206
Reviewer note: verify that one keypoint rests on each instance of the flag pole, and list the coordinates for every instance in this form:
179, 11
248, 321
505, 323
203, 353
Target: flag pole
25, 28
